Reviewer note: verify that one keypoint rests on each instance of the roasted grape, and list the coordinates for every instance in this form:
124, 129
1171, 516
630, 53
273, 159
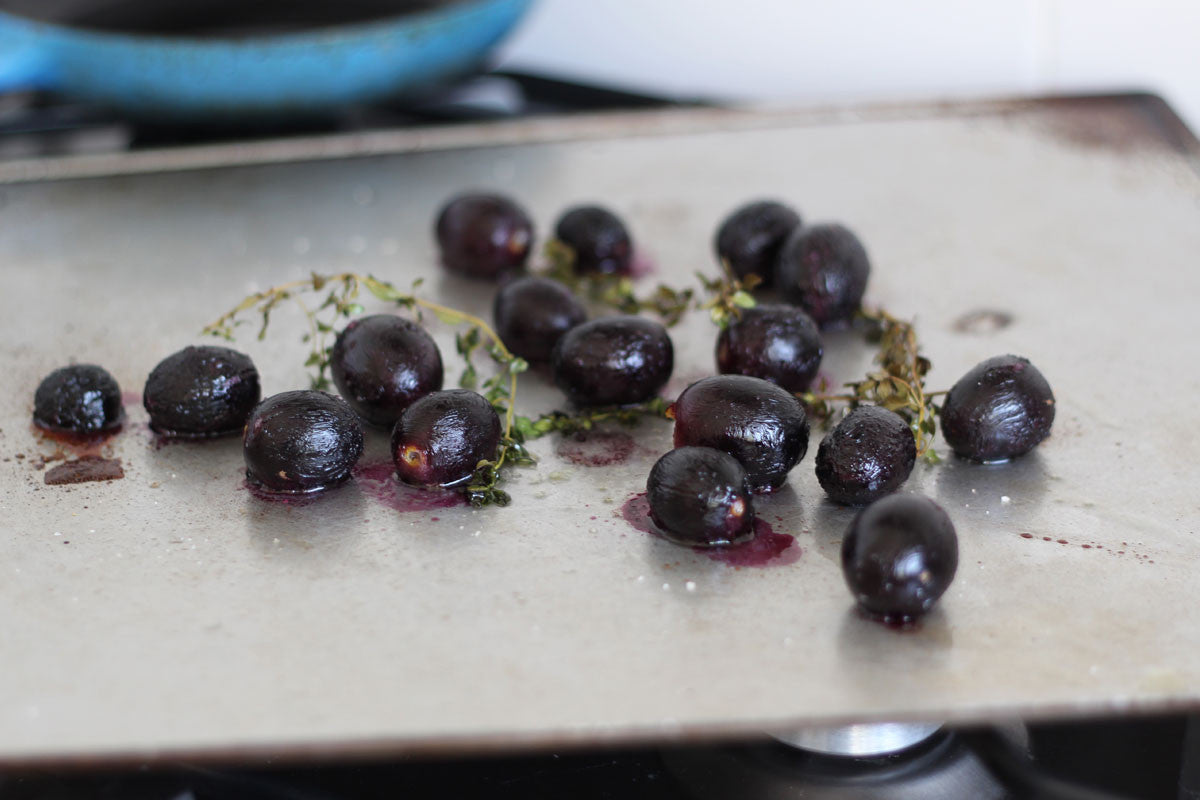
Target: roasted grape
1001, 409
439, 439
778, 343
201, 392
899, 556
701, 497
382, 363
598, 239
533, 313
824, 270
749, 239
484, 235
868, 455
301, 442
613, 361
761, 425
82, 398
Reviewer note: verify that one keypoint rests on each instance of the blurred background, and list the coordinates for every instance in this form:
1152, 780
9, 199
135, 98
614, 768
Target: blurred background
115, 75
867, 50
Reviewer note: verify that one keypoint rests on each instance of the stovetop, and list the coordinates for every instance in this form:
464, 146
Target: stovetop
38, 125
1103, 758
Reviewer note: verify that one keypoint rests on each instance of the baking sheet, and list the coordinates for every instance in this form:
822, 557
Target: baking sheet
171, 613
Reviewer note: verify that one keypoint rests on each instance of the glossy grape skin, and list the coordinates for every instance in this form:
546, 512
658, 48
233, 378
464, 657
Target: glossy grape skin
201, 392
824, 270
81, 398
483, 236
301, 442
532, 314
1001, 409
778, 343
439, 439
382, 363
613, 361
761, 425
868, 455
598, 238
701, 497
899, 556
749, 239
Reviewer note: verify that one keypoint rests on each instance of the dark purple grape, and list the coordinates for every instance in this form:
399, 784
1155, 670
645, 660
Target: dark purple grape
532, 313
778, 343
1001, 409
201, 392
899, 556
82, 398
440, 439
868, 455
749, 239
484, 235
598, 238
701, 497
301, 442
824, 270
761, 425
613, 361
382, 363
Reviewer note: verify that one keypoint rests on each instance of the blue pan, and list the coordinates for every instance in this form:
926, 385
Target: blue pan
303, 73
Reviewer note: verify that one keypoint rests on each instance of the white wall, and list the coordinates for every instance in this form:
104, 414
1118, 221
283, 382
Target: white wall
848, 50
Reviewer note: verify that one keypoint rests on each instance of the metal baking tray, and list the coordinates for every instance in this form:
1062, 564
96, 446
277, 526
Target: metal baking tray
172, 614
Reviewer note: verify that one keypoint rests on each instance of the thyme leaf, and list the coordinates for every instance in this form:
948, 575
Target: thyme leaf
898, 385
614, 291
728, 295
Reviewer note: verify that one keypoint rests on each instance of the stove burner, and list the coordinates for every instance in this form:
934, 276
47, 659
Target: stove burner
938, 765
875, 739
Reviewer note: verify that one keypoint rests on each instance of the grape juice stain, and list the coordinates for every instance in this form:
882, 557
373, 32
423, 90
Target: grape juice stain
642, 264
378, 481
84, 470
766, 549
280, 498
1112, 551
596, 448
89, 463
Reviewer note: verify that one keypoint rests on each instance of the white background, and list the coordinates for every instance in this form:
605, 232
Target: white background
807, 52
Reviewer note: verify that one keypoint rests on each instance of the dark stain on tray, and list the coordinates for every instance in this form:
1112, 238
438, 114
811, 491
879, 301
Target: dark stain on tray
983, 321
282, 498
766, 549
84, 470
596, 448
1112, 551
378, 481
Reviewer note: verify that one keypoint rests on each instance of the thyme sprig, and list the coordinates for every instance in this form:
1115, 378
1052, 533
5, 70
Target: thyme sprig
614, 291
341, 302
898, 385
588, 418
728, 294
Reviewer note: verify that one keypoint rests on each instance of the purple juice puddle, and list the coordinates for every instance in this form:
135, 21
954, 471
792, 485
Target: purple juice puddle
642, 264
596, 448
378, 480
282, 498
766, 549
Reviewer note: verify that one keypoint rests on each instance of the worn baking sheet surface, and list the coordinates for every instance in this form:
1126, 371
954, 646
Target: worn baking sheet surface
172, 612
